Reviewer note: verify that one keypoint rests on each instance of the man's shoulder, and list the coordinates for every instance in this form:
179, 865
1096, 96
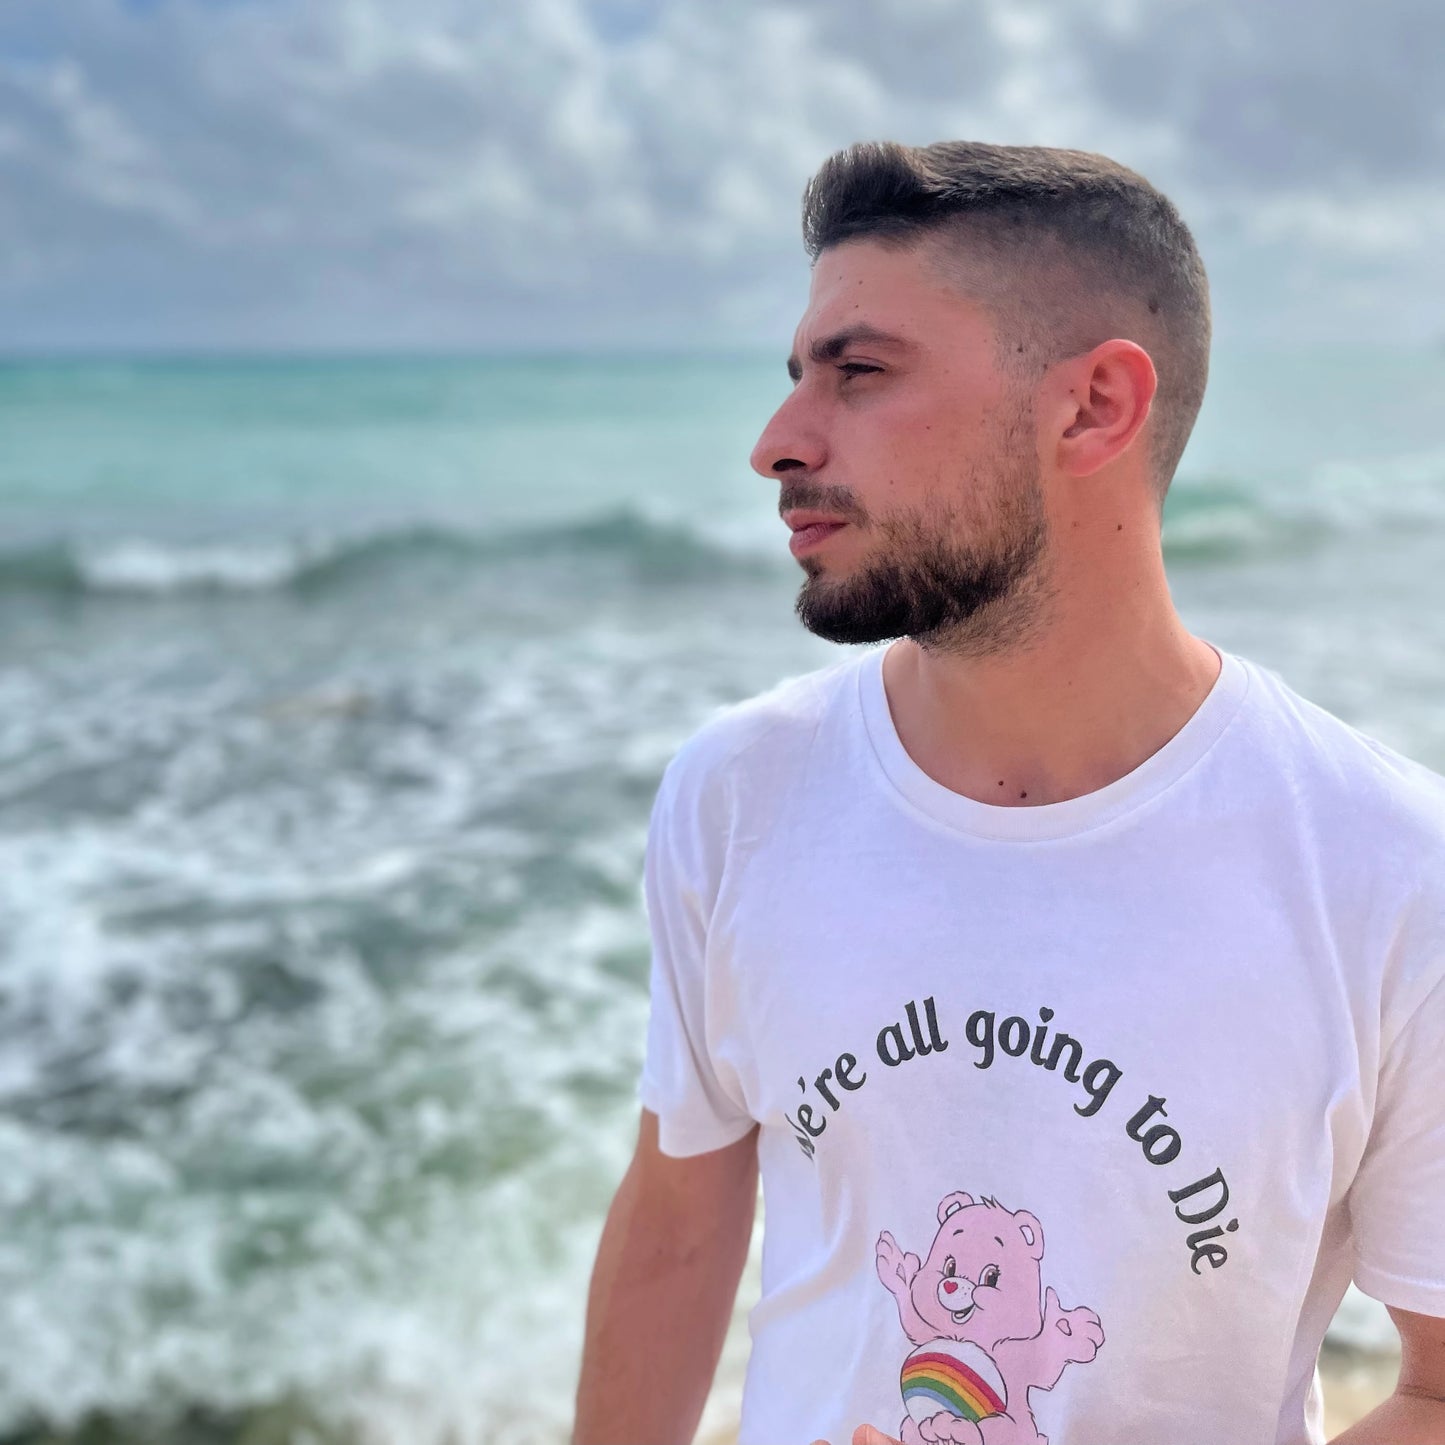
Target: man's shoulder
1361, 782
1377, 818
763, 732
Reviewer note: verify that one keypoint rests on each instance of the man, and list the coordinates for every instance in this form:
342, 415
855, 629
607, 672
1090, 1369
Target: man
1078, 988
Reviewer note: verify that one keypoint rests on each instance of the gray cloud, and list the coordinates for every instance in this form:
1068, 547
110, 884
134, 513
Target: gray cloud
352, 172
1288, 95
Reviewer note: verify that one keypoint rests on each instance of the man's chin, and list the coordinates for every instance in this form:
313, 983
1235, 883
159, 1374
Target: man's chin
847, 628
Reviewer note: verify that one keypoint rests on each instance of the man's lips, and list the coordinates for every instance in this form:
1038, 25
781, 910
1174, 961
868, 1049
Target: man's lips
806, 538
799, 519
810, 528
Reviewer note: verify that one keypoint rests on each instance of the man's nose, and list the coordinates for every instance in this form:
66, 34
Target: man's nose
789, 442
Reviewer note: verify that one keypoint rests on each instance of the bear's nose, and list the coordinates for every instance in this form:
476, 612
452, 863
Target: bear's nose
955, 1294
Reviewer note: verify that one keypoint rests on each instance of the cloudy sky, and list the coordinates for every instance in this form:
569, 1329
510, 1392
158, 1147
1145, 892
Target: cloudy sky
498, 174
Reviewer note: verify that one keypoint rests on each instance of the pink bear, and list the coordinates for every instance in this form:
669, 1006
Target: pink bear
980, 1286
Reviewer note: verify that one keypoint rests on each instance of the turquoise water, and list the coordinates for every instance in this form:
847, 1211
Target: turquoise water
332, 699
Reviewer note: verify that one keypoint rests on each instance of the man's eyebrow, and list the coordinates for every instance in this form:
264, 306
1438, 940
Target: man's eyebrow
830, 348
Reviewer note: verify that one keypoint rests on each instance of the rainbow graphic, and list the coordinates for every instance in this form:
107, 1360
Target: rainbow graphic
952, 1375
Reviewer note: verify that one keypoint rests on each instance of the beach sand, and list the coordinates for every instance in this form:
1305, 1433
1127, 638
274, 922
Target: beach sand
1355, 1381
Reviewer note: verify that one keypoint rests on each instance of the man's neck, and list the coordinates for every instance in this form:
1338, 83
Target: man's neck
1065, 716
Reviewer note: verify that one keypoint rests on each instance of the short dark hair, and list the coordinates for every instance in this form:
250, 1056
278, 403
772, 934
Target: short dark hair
1063, 248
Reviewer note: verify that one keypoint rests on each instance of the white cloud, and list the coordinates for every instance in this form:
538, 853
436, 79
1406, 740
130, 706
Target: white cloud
1401, 219
359, 172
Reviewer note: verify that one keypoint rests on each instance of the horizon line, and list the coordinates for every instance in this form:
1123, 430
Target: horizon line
24, 355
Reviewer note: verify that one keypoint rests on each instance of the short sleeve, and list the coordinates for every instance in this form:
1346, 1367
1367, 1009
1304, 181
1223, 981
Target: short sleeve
1397, 1198
698, 1105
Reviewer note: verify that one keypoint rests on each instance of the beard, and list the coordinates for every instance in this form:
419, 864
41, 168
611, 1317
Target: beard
953, 582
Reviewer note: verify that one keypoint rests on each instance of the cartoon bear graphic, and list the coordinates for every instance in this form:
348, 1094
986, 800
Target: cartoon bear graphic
984, 1338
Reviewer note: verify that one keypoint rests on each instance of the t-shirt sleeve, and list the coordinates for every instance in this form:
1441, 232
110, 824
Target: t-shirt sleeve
1397, 1198
698, 1103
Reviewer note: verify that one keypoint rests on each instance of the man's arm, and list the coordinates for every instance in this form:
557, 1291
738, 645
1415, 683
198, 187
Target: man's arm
668, 1264
1415, 1413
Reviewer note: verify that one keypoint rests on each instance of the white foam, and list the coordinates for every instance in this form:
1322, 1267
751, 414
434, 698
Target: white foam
139, 564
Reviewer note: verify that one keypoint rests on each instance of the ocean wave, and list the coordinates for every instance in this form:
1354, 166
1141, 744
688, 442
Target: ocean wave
141, 566
1210, 519
1222, 519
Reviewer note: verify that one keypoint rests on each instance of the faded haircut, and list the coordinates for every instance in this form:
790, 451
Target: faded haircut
1063, 249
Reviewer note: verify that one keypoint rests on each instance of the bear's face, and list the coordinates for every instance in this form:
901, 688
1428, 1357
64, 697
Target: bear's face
980, 1281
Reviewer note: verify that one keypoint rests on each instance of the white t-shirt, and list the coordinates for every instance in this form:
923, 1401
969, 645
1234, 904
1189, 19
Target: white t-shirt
1076, 1118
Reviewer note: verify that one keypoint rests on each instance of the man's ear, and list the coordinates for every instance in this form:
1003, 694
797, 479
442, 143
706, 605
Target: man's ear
1100, 402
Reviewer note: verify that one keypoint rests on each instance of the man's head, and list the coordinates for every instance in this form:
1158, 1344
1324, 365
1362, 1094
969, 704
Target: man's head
985, 323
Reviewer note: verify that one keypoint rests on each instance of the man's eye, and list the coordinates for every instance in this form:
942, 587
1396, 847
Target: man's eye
856, 368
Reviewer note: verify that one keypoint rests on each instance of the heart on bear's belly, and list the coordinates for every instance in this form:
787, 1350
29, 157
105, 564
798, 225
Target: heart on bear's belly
952, 1375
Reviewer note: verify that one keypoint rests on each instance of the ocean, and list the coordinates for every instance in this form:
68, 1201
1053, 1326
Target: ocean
333, 697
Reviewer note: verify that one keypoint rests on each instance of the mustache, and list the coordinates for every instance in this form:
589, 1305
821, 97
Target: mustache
805, 496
